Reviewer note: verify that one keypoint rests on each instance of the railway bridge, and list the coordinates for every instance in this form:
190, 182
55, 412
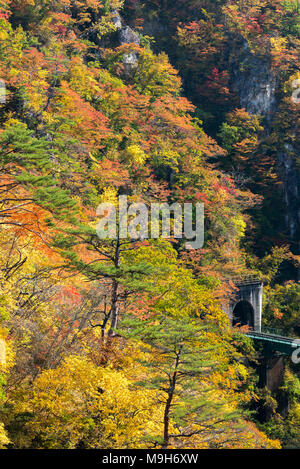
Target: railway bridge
245, 309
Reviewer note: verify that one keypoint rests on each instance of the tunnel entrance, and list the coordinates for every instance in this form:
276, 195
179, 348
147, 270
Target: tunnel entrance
245, 305
243, 314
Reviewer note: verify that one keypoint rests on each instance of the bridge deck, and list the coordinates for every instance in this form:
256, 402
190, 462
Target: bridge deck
275, 343
271, 337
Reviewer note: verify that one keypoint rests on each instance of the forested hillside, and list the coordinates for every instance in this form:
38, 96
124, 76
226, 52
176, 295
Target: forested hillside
124, 343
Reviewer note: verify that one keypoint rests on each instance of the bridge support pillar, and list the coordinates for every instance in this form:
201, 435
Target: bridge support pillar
271, 376
272, 373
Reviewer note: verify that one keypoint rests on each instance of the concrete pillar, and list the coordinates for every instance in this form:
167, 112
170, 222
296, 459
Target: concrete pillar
272, 373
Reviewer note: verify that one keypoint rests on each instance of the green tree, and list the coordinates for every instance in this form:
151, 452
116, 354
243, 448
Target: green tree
27, 177
181, 359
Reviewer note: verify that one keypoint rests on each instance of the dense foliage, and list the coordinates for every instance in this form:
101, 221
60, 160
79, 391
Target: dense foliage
124, 343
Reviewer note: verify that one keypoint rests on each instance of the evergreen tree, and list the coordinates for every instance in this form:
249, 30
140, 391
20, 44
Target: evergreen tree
181, 359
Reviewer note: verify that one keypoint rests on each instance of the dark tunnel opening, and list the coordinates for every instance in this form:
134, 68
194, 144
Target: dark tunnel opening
243, 314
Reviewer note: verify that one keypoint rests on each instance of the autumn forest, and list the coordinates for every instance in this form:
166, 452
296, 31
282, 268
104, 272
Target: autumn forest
125, 342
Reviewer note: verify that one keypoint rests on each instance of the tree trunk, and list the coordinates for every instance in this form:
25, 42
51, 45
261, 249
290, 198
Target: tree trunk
171, 392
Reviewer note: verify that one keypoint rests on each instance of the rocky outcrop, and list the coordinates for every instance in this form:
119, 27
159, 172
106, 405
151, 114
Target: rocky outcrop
255, 83
116, 19
128, 36
291, 185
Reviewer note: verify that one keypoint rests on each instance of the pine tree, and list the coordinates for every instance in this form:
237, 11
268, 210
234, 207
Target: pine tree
181, 359
26, 177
